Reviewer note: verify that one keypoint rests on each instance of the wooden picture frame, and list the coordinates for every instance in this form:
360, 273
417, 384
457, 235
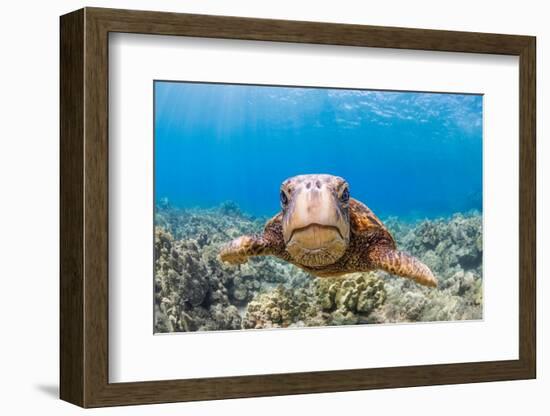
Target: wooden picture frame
84, 207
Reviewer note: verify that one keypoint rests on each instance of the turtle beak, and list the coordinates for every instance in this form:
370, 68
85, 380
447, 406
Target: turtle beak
316, 205
315, 229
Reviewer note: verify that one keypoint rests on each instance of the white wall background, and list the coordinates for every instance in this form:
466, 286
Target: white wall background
29, 206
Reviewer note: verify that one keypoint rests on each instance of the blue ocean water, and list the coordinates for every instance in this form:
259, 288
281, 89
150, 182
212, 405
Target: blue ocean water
406, 154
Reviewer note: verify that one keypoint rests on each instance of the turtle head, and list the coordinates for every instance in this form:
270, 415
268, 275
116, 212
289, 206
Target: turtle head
316, 226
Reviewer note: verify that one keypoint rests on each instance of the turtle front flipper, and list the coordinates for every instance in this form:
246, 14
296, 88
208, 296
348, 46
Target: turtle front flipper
401, 264
240, 249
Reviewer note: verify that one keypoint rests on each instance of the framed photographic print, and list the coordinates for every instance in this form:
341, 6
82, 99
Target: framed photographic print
255, 207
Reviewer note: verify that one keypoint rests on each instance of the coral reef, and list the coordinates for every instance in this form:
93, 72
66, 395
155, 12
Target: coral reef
352, 298
194, 291
281, 308
332, 301
446, 246
453, 250
188, 297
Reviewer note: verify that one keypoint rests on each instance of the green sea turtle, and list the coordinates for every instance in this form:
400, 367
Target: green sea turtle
326, 233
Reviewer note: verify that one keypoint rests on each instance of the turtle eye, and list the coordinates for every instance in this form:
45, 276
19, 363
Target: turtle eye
345, 195
284, 199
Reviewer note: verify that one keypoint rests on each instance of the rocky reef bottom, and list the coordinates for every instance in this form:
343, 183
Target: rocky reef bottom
194, 291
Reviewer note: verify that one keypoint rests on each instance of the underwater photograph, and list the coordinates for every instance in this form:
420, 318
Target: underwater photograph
290, 207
